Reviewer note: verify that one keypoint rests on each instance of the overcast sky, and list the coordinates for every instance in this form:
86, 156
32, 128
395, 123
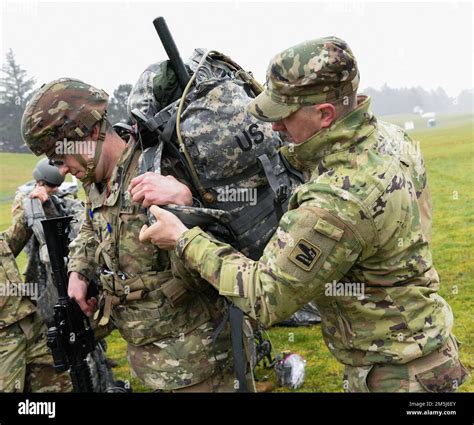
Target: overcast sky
105, 44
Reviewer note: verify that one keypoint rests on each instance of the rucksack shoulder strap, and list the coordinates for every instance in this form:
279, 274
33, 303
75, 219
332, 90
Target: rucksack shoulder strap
34, 213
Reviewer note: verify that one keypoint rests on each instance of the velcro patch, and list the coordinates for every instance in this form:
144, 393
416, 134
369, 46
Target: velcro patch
304, 254
328, 229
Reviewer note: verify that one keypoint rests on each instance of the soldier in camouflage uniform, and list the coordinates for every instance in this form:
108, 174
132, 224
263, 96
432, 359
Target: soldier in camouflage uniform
26, 364
49, 198
355, 238
51, 202
156, 88
168, 323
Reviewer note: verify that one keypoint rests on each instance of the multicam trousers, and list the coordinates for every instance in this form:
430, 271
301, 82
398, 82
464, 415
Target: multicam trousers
26, 364
439, 371
167, 365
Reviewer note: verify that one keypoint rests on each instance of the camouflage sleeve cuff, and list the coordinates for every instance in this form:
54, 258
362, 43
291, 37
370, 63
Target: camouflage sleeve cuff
186, 238
81, 267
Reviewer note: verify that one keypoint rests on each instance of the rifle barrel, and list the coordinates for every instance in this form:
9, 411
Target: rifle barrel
172, 51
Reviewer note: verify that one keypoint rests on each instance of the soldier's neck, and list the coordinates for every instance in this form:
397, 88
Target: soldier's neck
112, 151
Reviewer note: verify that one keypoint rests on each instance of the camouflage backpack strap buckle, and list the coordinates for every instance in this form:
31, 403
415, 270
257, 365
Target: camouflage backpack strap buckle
107, 309
240, 73
101, 251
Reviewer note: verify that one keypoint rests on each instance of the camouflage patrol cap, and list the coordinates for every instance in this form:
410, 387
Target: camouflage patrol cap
65, 108
313, 72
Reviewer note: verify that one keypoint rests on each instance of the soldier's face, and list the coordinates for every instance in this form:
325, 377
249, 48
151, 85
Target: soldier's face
50, 189
72, 166
112, 149
70, 163
305, 122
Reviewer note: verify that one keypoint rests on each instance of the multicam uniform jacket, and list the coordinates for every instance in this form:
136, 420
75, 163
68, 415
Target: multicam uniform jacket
13, 308
146, 303
362, 220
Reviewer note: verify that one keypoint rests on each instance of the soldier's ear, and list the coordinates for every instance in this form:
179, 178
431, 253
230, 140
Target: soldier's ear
95, 132
328, 114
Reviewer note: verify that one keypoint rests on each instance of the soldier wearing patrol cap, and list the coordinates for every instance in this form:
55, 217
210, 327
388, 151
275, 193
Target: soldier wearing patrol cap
355, 238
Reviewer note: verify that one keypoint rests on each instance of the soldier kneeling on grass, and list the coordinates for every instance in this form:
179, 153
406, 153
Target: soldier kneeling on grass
363, 216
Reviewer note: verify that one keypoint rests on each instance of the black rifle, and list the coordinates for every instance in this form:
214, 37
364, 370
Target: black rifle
172, 51
72, 338
151, 124
154, 125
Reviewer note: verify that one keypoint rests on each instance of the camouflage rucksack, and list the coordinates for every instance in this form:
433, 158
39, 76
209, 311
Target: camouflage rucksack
206, 127
231, 158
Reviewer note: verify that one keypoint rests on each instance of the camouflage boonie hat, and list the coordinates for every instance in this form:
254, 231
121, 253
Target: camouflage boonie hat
313, 72
64, 108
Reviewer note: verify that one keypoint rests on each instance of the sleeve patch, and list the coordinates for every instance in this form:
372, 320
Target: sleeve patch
304, 254
328, 229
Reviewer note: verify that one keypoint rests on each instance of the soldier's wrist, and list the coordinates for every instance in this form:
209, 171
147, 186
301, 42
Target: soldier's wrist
80, 276
185, 239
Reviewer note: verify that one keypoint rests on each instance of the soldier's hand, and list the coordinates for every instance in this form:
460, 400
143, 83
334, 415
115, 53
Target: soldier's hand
40, 193
165, 232
155, 189
77, 289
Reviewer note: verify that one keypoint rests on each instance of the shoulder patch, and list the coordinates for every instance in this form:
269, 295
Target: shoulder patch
304, 254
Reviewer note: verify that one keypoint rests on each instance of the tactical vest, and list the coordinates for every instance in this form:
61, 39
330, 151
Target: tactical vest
143, 300
231, 158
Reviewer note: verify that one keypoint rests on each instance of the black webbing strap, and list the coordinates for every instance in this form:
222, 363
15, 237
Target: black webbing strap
269, 173
273, 182
236, 318
249, 216
169, 129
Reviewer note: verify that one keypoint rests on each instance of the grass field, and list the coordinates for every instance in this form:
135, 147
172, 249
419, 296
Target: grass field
449, 155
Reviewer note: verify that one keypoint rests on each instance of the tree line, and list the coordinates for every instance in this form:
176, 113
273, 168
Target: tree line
391, 101
16, 88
